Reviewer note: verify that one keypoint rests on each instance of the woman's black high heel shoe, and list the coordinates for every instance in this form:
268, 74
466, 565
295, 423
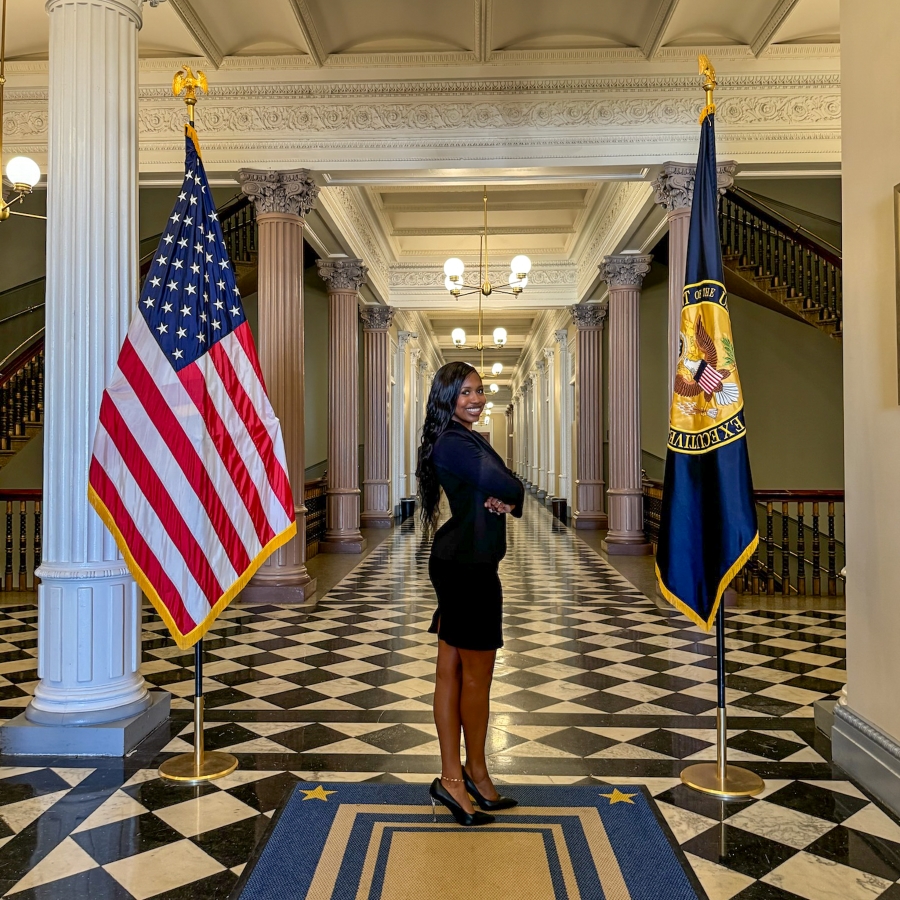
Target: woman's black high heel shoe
439, 794
483, 802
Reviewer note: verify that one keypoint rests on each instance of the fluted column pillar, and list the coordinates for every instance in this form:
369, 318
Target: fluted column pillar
510, 423
675, 193
565, 430
343, 278
540, 411
398, 415
589, 509
624, 274
282, 200
550, 412
89, 607
377, 509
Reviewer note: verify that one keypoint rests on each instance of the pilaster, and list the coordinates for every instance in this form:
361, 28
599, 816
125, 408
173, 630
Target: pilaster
377, 511
282, 200
565, 431
624, 274
343, 278
550, 411
589, 506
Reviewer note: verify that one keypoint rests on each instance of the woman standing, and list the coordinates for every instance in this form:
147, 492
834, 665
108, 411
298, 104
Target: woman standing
465, 555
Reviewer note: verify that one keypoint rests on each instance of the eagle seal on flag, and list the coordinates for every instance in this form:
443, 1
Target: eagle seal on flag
188, 470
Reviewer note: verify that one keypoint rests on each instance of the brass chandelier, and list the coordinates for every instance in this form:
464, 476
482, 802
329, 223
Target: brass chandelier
454, 283
23, 172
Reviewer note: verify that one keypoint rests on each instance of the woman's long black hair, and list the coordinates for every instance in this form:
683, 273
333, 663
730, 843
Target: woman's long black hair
445, 390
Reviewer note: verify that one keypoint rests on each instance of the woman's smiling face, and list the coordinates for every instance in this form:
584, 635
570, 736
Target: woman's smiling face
470, 401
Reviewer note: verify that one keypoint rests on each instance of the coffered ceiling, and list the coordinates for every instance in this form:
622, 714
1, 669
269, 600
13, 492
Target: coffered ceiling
453, 32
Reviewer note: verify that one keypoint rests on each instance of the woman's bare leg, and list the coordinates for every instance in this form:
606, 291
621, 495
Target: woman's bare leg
447, 692
477, 673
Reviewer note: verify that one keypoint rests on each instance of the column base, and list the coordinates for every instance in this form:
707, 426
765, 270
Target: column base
376, 520
541, 494
20, 737
348, 545
614, 548
289, 594
592, 521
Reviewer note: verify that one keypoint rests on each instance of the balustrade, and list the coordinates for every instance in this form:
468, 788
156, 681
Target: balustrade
22, 547
800, 552
315, 501
785, 259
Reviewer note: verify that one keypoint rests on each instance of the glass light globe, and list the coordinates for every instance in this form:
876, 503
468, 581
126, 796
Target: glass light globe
516, 282
500, 336
496, 368
489, 404
451, 285
22, 170
493, 388
458, 336
487, 420
521, 264
454, 267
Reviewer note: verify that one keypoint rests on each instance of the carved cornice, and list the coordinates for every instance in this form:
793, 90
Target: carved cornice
674, 185
350, 207
589, 316
431, 275
625, 270
377, 318
342, 274
291, 192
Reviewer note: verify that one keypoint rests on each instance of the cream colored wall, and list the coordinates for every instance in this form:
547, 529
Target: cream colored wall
791, 375
870, 36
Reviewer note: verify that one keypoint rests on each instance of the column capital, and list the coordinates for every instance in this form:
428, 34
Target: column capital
589, 316
675, 183
625, 270
414, 354
377, 318
549, 353
562, 338
290, 192
342, 274
541, 366
404, 337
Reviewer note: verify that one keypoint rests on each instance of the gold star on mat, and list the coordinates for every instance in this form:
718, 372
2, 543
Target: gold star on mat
318, 793
618, 797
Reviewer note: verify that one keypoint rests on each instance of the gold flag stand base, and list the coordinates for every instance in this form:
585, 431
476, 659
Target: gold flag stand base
718, 779
199, 766
737, 783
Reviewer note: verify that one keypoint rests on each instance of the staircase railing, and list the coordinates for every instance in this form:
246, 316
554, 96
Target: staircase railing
806, 268
22, 394
801, 546
22, 546
314, 496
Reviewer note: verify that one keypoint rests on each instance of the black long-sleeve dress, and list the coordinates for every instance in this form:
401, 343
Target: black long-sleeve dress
467, 549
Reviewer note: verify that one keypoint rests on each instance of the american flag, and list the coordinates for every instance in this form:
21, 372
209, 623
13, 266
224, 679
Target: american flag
188, 470
708, 378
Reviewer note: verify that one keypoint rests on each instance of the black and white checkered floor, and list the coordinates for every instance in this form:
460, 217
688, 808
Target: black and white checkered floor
595, 684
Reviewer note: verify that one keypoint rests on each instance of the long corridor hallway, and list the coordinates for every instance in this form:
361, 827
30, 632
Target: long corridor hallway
595, 684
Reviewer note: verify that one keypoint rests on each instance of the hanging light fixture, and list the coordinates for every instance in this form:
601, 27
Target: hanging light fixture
493, 388
496, 368
24, 173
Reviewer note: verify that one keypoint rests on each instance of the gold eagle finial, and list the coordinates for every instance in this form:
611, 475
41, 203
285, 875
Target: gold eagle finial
709, 85
185, 81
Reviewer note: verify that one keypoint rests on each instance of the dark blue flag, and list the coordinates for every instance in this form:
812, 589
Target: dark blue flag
708, 527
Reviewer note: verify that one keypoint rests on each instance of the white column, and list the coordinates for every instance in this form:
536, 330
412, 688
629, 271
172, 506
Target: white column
550, 412
398, 437
412, 435
540, 414
89, 607
565, 424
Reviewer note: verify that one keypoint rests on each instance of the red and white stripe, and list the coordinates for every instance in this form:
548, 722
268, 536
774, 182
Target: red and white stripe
191, 469
710, 379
